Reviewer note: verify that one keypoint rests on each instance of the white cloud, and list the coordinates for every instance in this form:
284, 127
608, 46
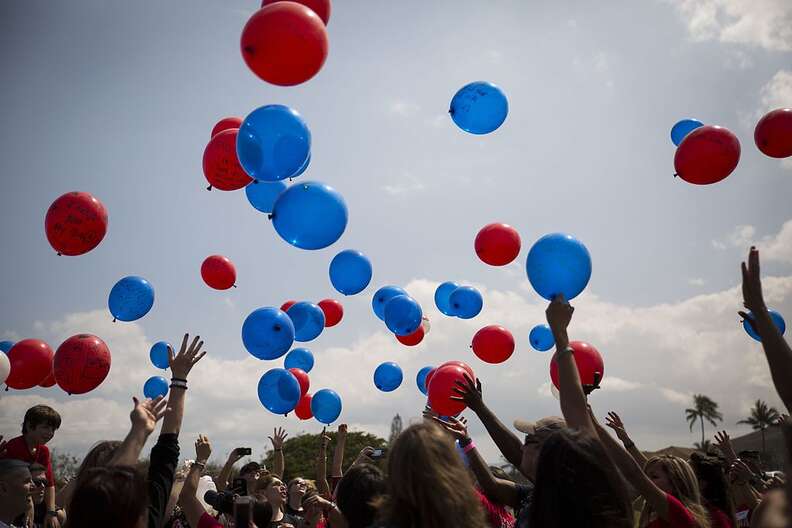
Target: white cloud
407, 184
741, 237
775, 247
697, 281
777, 93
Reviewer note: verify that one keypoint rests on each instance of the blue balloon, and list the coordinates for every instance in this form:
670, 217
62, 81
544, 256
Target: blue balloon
479, 107
326, 406
267, 333
273, 143
388, 376
778, 321
558, 263
683, 128
541, 338
381, 298
279, 391
5, 346
350, 272
262, 195
442, 297
310, 215
420, 379
466, 302
159, 354
131, 298
403, 315
155, 386
308, 319
303, 168
300, 358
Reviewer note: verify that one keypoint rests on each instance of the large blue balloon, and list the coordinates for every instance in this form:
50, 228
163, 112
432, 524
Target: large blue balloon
350, 272
268, 333
303, 168
420, 379
683, 128
262, 195
155, 386
131, 298
778, 321
326, 406
442, 297
5, 346
273, 143
466, 302
558, 263
403, 315
541, 338
159, 354
310, 215
479, 107
381, 298
300, 358
279, 391
308, 319
388, 376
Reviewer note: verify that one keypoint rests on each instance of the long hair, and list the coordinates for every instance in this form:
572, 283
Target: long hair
357, 491
684, 487
99, 456
428, 484
715, 488
109, 496
578, 485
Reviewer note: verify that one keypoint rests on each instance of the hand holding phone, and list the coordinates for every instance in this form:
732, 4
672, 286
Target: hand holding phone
379, 454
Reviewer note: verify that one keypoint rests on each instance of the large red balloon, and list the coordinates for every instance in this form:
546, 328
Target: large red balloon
302, 379
707, 155
218, 272
414, 338
773, 133
303, 409
429, 376
588, 360
467, 368
220, 163
284, 43
493, 344
226, 123
82, 363
75, 223
31, 363
497, 244
288, 304
333, 311
440, 390
320, 7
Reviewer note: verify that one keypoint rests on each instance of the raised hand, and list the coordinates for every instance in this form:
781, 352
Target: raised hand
457, 427
753, 299
324, 439
614, 421
469, 393
278, 437
559, 314
723, 442
203, 449
740, 472
183, 362
342, 429
146, 414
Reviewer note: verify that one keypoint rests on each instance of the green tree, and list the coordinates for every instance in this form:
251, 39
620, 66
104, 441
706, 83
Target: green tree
762, 417
703, 409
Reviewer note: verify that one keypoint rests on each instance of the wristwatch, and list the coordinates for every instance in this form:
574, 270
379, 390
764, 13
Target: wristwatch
52, 513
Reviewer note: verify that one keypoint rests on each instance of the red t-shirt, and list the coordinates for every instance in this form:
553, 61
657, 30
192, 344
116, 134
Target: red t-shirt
207, 521
497, 516
718, 518
17, 449
678, 516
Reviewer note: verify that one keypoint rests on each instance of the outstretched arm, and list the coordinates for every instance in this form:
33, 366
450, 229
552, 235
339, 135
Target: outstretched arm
221, 482
614, 422
144, 418
338, 454
180, 366
723, 442
278, 462
322, 485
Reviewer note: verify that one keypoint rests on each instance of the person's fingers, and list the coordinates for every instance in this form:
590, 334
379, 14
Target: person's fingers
456, 398
135, 401
198, 358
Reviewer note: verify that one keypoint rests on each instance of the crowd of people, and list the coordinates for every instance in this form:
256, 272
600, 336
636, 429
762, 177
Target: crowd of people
580, 471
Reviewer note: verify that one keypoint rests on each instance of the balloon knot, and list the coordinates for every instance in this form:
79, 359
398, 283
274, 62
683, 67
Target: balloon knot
209, 188
114, 319
60, 254
675, 175
234, 286
269, 217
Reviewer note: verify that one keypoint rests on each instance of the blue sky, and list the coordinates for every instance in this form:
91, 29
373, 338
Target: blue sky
118, 99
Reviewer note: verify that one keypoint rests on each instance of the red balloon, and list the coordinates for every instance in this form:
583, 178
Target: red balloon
493, 344
303, 409
220, 164
31, 363
333, 311
288, 304
225, 124
440, 390
75, 223
707, 155
429, 376
49, 381
497, 244
773, 133
461, 364
284, 43
587, 359
302, 379
320, 7
412, 339
82, 363
218, 272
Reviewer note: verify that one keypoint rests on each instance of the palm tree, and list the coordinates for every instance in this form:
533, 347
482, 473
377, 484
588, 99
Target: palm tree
761, 418
703, 409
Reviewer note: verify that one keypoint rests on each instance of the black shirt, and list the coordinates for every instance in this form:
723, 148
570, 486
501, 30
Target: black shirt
162, 470
522, 514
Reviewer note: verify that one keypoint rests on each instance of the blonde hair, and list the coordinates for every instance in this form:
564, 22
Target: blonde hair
684, 487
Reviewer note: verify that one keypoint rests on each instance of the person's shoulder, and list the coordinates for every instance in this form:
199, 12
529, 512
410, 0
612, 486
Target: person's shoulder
15, 448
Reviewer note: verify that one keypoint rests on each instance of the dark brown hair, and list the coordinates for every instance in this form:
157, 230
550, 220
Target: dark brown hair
40, 414
109, 496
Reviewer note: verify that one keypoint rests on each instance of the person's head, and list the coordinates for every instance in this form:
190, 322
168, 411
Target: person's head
535, 435
40, 424
16, 485
251, 472
714, 486
38, 474
675, 476
577, 485
428, 484
273, 490
109, 496
296, 490
99, 456
356, 493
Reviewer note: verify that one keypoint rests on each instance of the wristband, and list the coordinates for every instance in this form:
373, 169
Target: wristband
465, 442
179, 379
629, 444
470, 447
201, 465
52, 513
177, 384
